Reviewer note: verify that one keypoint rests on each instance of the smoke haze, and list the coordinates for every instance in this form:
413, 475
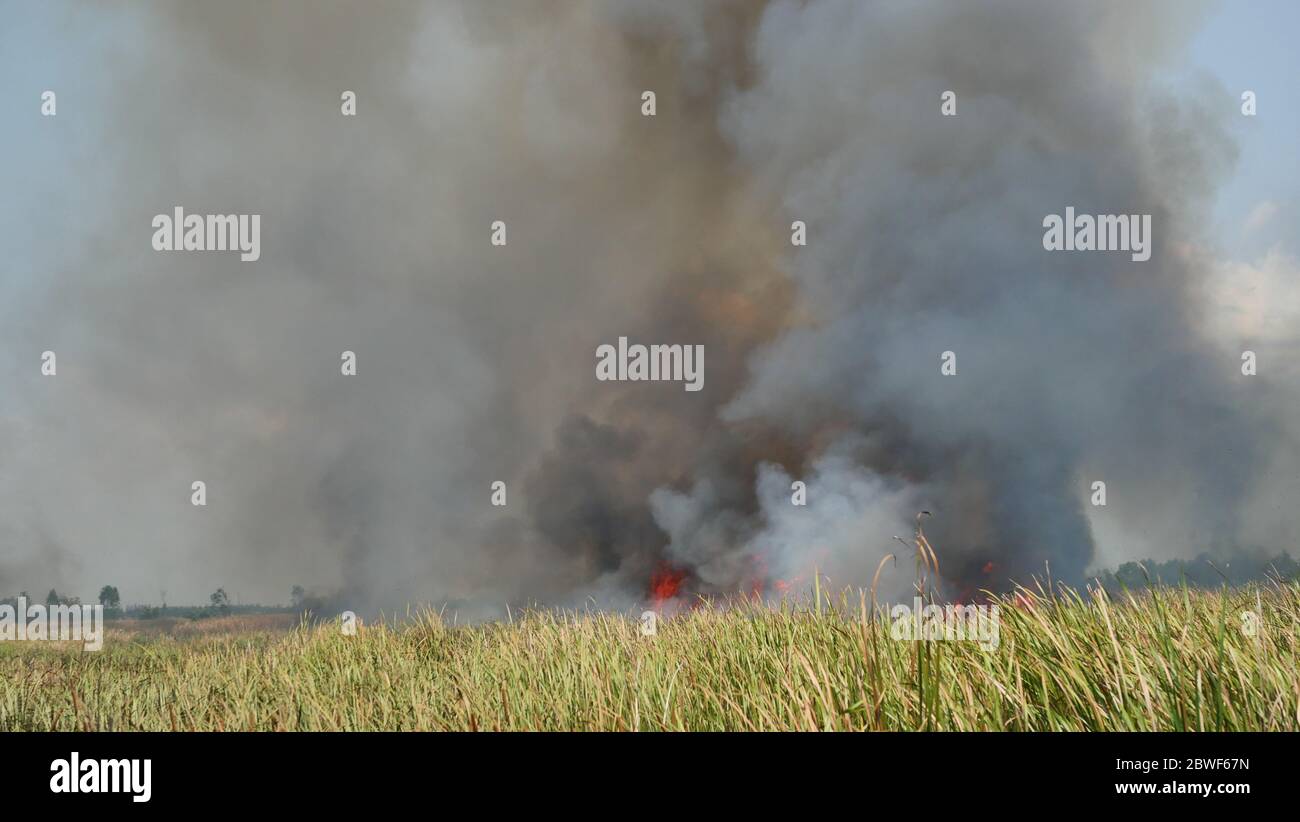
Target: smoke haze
476, 363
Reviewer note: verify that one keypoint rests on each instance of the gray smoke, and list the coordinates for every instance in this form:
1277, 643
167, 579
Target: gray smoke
476, 363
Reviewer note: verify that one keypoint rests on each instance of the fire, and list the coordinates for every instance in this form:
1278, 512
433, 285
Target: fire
759, 579
988, 567
785, 586
666, 584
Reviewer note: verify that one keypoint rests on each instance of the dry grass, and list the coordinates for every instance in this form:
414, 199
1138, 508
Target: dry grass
1175, 660
128, 629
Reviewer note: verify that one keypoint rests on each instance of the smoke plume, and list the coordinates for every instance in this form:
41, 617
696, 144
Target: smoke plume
475, 363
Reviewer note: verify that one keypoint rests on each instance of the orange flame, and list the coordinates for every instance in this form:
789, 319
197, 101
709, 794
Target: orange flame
666, 584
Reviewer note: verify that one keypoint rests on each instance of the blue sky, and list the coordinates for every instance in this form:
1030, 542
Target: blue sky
1252, 44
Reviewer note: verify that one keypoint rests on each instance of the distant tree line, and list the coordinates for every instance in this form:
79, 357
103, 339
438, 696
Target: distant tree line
219, 604
1202, 572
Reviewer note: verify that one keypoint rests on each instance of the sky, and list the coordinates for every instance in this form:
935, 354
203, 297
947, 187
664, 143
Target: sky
158, 95
1252, 45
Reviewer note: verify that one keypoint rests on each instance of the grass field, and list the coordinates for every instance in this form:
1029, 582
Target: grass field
1176, 659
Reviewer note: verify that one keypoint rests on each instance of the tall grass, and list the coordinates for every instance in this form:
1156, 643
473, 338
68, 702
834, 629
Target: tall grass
1172, 659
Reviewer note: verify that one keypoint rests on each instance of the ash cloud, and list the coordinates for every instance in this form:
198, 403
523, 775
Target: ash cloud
476, 363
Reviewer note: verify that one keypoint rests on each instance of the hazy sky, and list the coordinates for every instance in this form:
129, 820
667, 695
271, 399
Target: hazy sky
159, 385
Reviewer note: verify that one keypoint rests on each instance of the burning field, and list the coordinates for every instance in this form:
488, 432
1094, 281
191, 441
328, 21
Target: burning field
1169, 660
617, 339
835, 208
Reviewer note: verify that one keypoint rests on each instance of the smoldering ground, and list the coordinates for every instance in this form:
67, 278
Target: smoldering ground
476, 363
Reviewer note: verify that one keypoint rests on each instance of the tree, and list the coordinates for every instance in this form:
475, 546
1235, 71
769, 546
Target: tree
297, 595
220, 600
52, 598
109, 598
